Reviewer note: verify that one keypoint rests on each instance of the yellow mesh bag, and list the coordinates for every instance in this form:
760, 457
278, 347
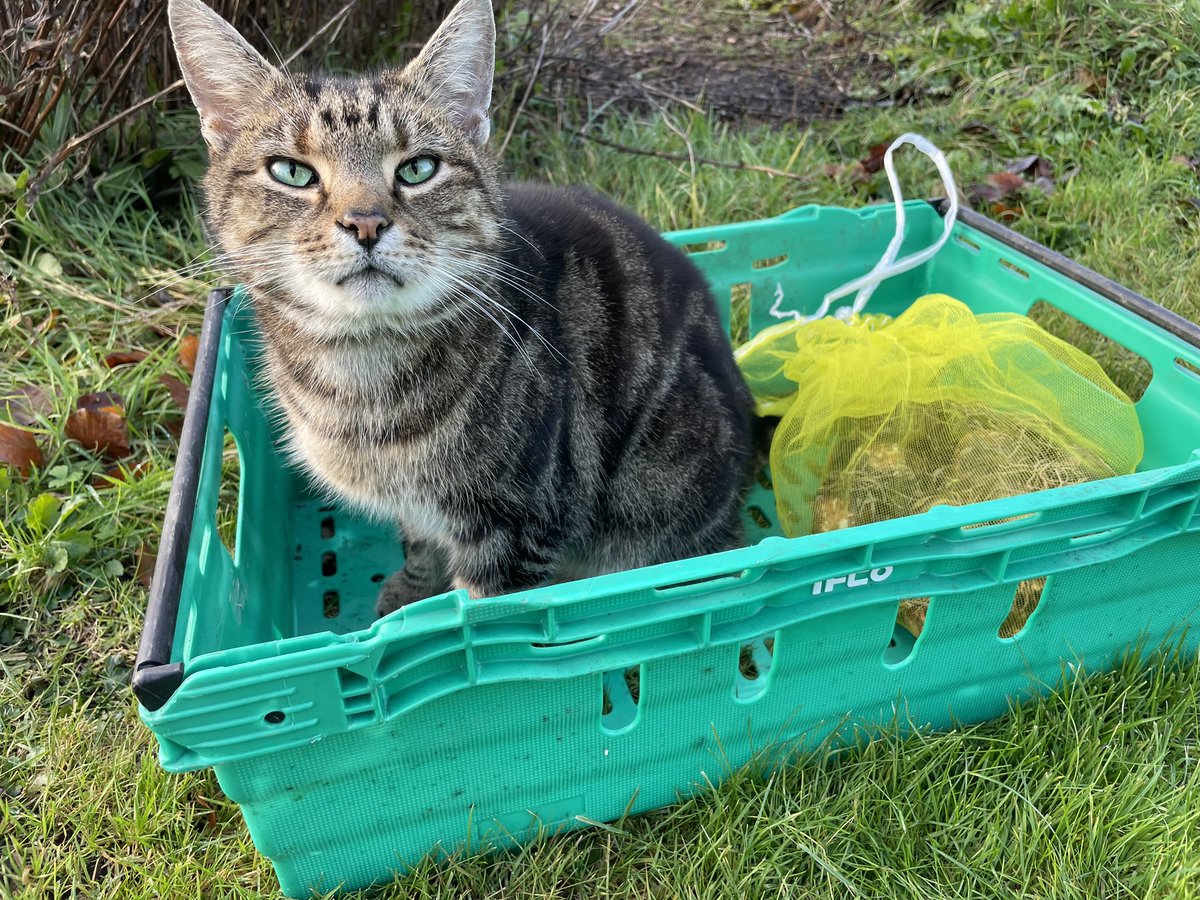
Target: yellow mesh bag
940, 406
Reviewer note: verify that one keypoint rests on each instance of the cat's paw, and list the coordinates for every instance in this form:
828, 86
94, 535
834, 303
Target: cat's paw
399, 590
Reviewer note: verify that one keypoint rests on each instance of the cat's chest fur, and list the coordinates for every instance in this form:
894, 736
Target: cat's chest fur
359, 439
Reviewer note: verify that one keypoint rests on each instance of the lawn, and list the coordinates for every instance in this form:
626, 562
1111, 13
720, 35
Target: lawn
1091, 793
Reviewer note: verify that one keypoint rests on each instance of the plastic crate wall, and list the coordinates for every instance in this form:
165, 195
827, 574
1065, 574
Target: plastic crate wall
355, 748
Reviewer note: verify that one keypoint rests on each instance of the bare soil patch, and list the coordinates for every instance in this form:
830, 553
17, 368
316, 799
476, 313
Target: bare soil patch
798, 62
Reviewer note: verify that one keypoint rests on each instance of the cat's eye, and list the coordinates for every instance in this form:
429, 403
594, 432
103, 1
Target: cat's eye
292, 173
417, 170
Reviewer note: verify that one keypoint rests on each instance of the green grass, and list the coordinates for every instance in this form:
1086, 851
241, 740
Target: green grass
1091, 793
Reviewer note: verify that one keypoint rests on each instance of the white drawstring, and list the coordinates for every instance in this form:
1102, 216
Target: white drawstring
887, 265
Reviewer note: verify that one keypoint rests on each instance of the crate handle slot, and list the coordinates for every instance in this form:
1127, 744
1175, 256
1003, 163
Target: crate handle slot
1188, 367
702, 585
621, 699
567, 648
703, 247
754, 665
1015, 269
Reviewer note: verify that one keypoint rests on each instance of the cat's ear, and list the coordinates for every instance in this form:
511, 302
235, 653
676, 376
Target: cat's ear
223, 73
458, 63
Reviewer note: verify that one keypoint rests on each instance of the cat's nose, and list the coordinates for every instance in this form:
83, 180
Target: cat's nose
365, 226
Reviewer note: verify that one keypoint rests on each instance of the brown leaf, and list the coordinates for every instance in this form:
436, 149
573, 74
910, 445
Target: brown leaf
1189, 208
26, 402
984, 193
978, 128
998, 186
1091, 83
178, 390
853, 172
120, 474
187, 352
1005, 213
98, 424
102, 401
1033, 166
207, 817
1008, 182
144, 569
874, 161
159, 297
1045, 185
19, 449
124, 358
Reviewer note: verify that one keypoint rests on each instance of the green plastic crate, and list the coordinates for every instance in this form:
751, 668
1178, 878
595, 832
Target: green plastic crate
356, 747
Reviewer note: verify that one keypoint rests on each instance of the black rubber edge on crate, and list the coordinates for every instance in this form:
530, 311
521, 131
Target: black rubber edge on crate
155, 677
1105, 287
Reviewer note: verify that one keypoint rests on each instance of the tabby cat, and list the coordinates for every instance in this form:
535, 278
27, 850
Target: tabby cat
529, 381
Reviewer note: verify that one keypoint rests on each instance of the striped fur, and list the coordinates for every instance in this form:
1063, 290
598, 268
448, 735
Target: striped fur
533, 384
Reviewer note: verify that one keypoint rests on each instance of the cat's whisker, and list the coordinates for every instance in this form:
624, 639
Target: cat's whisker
492, 263
515, 233
508, 312
242, 267
459, 294
504, 278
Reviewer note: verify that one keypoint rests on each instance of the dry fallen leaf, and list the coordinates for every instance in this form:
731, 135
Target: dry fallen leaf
874, 161
851, 172
144, 569
998, 186
1034, 166
115, 474
805, 13
26, 402
1005, 212
187, 352
208, 816
1008, 182
177, 389
19, 449
98, 424
124, 358
1091, 83
1188, 207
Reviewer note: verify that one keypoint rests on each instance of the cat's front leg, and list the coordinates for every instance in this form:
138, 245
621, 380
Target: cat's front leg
501, 563
424, 575
474, 591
